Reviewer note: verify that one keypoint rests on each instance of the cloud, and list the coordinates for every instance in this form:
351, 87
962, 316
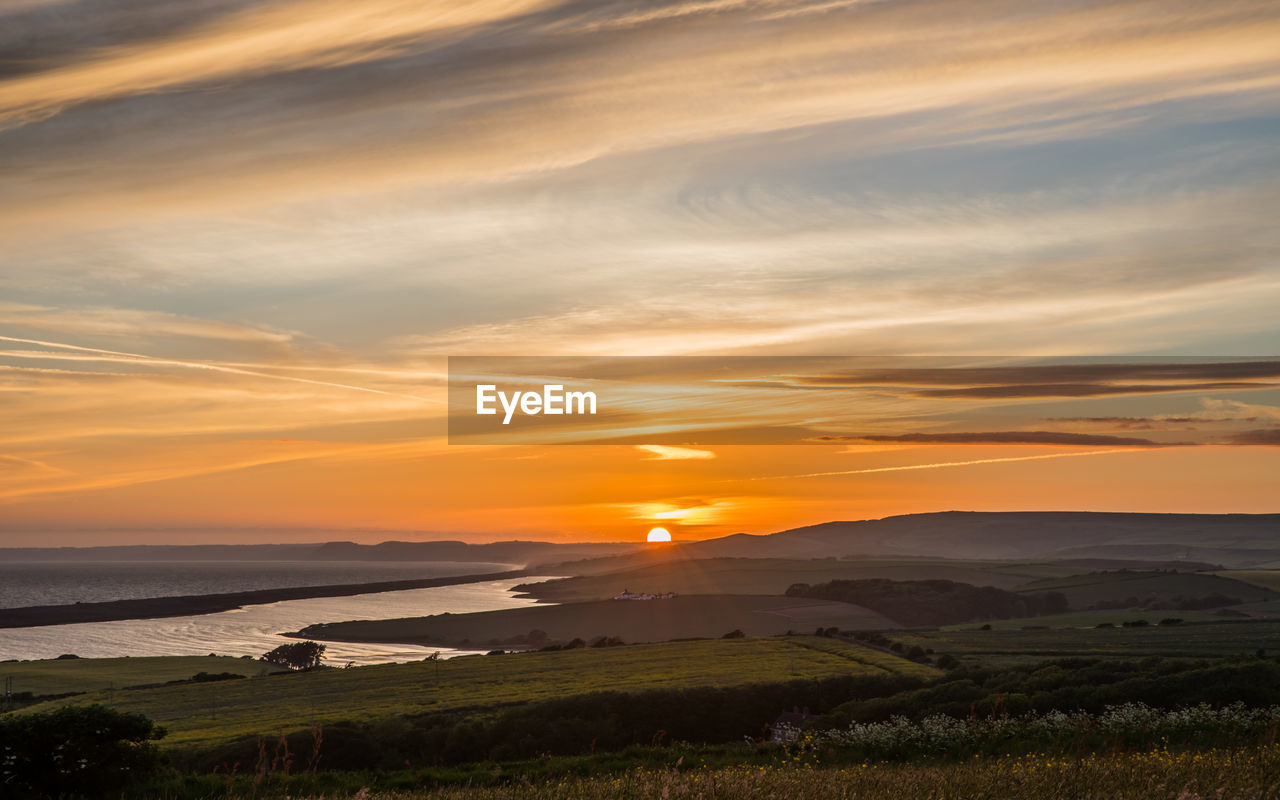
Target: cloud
1076, 373
661, 452
1224, 409
1003, 437
937, 465
132, 323
1266, 436
144, 360
1139, 423
1057, 380
257, 40
1087, 389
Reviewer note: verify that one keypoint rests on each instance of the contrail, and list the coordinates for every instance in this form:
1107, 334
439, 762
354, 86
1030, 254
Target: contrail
137, 358
938, 465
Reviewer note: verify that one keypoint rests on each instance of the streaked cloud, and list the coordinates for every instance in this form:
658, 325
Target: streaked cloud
939, 465
1004, 437
661, 452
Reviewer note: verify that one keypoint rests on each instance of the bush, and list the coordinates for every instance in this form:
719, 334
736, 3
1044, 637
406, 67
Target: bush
207, 677
77, 751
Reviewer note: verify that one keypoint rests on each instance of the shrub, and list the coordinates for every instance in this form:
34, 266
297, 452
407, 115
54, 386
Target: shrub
948, 661
1130, 725
77, 751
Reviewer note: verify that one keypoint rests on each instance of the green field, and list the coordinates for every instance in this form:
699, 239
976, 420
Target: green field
210, 712
774, 575
1266, 578
1003, 646
685, 617
61, 676
1083, 591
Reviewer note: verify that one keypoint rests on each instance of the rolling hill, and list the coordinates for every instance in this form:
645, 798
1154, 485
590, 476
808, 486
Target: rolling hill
631, 620
1235, 540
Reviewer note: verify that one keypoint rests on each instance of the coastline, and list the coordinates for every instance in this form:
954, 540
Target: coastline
191, 605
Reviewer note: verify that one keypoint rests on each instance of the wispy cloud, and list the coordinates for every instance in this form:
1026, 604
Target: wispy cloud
937, 465
660, 452
144, 360
1003, 437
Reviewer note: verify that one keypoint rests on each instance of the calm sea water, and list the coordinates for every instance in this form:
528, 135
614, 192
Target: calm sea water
253, 630
56, 583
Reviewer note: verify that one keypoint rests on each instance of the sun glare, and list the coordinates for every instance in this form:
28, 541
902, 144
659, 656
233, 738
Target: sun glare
659, 535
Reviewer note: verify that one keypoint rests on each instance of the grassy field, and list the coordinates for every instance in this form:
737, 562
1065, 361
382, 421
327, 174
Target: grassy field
1083, 591
682, 617
774, 575
60, 676
206, 713
1266, 578
1005, 645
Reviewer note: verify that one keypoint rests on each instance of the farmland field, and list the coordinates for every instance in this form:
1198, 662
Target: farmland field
1266, 578
205, 713
1000, 646
60, 676
774, 575
1083, 591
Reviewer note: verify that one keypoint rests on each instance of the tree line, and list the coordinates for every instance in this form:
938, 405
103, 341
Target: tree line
932, 603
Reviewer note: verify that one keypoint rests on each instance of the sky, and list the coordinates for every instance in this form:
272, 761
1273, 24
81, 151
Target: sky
239, 241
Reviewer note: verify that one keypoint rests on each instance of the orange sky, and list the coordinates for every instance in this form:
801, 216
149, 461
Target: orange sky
239, 240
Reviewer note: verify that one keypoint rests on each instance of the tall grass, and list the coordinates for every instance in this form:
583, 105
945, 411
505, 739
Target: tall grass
1236, 774
1128, 726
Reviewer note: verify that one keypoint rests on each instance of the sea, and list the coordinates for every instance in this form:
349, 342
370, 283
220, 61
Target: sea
251, 630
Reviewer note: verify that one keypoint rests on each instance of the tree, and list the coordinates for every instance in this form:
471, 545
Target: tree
296, 655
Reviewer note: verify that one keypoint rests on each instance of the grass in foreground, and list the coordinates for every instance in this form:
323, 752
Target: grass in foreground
206, 713
1234, 774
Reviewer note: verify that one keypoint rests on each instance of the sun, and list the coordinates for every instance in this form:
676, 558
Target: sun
659, 535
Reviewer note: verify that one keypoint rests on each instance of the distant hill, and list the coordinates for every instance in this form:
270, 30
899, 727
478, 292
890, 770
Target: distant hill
1236, 540
1015, 535
512, 552
1233, 540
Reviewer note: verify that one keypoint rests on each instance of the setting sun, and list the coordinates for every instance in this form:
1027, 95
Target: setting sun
659, 535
